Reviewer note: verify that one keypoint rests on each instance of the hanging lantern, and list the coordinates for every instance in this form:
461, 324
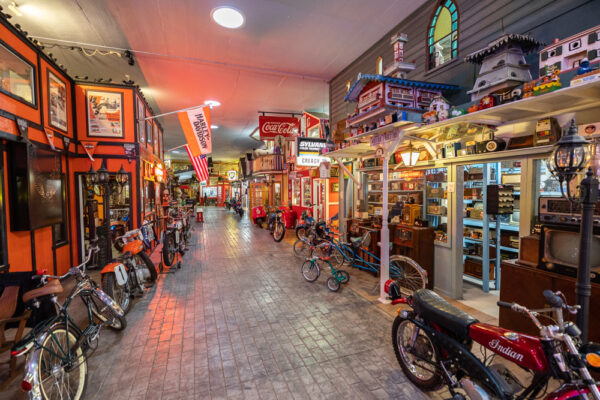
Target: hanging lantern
103, 174
122, 175
91, 177
570, 156
410, 157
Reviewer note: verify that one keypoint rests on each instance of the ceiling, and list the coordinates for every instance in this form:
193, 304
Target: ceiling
280, 60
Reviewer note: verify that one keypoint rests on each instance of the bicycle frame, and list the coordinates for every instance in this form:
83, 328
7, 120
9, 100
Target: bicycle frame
358, 261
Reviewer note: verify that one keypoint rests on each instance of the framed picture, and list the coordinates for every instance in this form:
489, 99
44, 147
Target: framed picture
335, 187
57, 102
141, 114
104, 113
17, 76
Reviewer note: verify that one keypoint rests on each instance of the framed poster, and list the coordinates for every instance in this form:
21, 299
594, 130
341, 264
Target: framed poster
335, 187
141, 114
104, 113
57, 102
18, 76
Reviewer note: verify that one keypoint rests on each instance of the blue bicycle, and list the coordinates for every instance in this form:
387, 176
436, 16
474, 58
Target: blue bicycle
408, 273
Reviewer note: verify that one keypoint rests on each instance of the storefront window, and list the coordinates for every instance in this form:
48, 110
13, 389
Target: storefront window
546, 185
296, 192
442, 38
437, 202
277, 193
16, 76
306, 192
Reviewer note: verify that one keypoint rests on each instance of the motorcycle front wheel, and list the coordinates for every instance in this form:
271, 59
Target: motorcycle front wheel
300, 231
168, 251
279, 232
149, 265
103, 314
416, 354
120, 294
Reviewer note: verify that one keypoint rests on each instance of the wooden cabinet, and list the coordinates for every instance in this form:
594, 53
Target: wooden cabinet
524, 285
417, 243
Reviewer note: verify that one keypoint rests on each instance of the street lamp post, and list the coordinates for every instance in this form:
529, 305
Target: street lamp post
570, 156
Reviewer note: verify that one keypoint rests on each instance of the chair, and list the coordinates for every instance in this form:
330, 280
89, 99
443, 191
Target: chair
8, 305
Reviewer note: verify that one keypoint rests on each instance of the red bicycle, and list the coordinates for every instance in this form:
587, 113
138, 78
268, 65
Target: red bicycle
433, 344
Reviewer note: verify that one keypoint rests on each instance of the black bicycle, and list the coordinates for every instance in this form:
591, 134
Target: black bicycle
57, 366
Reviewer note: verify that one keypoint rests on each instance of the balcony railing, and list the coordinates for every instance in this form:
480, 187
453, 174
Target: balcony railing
271, 162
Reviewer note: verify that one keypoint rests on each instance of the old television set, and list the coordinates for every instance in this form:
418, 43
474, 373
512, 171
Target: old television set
559, 251
36, 187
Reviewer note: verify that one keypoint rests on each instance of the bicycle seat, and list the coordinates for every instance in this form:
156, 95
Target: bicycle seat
52, 287
356, 240
434, 308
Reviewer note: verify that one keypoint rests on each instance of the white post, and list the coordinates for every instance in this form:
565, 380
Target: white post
384, 268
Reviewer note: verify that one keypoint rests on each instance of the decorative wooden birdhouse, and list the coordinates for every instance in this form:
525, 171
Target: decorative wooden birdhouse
503, 65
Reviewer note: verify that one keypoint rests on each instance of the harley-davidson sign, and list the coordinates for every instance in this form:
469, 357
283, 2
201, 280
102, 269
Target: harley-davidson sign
271, 127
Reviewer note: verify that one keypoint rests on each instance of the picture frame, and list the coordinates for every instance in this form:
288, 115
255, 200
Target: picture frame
104, 114
335, 187
141, 114
24, 89
57, 102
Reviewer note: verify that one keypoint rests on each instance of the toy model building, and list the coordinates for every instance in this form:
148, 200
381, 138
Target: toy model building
384, 99
568, 53
503, 65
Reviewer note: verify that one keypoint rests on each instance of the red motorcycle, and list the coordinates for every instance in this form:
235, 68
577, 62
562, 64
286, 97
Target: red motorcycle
433, 344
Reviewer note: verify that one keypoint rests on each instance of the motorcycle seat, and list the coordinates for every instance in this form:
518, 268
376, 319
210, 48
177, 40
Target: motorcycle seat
434, 308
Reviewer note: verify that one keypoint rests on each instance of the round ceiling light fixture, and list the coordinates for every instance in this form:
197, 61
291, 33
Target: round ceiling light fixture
227, 17
212, 103
214, 127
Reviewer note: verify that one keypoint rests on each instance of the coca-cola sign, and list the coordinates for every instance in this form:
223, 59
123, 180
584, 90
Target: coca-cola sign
271, 127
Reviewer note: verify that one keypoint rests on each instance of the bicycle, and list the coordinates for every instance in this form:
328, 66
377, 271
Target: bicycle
410, 275
311, 271
57, 367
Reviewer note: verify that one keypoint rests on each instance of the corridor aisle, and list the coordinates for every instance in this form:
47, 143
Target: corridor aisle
239, 321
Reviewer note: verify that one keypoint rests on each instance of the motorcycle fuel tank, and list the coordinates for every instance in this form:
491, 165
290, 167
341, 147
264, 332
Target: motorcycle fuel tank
523, 350
134, 247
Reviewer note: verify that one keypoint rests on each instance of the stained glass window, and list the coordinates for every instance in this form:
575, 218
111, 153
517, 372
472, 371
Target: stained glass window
442, 37
379, 66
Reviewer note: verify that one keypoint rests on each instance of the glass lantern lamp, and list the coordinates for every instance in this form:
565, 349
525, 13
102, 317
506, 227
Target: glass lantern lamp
122, 176
570, 156
410, 157
103, 174
91, 177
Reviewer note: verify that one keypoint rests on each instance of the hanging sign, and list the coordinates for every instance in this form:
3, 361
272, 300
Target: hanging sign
196, 127
309, 150
379, 152
50, 137
90, 148
66, 142
130, 151
271, 127
380, 139
23, 127
232, 175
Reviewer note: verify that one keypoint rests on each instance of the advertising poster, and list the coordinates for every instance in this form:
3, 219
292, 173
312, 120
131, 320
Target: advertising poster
104, 114
57, 99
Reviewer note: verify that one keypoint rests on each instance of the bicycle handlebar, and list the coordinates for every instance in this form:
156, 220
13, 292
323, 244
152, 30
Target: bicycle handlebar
72, 269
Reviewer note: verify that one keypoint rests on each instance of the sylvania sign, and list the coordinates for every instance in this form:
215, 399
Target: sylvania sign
271, 127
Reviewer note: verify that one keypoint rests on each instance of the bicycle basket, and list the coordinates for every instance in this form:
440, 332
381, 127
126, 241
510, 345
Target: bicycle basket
366, 239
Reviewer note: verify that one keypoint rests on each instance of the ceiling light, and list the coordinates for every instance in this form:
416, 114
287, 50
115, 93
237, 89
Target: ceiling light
15, 9
228, 17
410, 157
212, 103
214, 127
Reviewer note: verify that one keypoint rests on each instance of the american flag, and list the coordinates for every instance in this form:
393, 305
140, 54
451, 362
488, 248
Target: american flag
200, 164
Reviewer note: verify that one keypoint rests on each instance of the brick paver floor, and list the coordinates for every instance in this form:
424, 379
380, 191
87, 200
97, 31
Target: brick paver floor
238, 321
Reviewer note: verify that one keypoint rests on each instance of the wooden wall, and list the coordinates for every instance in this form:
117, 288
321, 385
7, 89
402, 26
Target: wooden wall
480, 22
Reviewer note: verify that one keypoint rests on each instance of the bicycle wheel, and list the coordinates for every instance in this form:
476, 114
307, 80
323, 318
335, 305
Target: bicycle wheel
61, 376
345, 276
337, 258
333, 284
310, 270
409, 275
103, 314
301, 249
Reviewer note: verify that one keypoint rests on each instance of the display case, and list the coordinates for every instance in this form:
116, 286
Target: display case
437, 203
407, 187
306, 192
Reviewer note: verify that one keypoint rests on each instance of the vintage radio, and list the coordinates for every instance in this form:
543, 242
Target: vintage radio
520, 142
437, 193
411, 213
559, 251
547, 131
557, 210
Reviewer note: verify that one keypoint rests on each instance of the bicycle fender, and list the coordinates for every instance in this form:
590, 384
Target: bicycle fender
31, 374
109, 301
464, 357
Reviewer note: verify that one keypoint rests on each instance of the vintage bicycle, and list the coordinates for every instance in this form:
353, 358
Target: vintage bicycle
311, 270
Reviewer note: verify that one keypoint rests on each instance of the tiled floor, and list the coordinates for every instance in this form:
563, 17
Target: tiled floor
239, 321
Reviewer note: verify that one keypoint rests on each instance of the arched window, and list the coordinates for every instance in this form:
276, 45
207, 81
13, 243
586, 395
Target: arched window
347, 86
442, 37
379, 68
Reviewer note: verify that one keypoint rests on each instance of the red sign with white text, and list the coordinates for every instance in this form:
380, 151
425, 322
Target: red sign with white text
271, 127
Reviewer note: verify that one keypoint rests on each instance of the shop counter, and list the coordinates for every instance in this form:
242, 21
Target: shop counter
524, 285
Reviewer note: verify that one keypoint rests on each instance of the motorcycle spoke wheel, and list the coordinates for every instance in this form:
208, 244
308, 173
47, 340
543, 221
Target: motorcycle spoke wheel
120, 294
103, 314
168, 251
279, 233
310, 271
61, 377
416, 354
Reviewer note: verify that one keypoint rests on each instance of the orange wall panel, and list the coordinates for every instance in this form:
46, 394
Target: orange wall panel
43, 249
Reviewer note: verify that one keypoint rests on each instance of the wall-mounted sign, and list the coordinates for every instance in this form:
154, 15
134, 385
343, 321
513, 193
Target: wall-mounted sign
104, 113
309, 150
384, 137
271, 127
232, 175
